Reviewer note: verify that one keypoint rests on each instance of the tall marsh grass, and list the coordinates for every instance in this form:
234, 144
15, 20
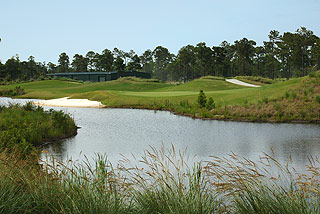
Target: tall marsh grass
27, 126
161, 181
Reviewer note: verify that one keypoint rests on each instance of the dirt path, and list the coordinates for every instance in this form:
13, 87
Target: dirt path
238, 82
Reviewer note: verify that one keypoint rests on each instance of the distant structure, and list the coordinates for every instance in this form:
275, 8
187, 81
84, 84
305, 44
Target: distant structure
99, 76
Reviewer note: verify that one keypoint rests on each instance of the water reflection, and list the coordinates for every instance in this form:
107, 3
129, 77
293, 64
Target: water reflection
129, 131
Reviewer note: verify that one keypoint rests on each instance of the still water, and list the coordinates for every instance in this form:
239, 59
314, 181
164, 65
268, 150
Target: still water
129, 131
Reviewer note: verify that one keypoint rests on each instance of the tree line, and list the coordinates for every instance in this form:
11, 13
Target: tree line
282, 56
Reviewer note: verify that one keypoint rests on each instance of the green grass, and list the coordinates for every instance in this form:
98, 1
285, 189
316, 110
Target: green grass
123, 89
139, 93
27, 126
162, 183
203, 84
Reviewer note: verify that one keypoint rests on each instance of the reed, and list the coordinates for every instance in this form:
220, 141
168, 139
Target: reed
161, 181
27, 126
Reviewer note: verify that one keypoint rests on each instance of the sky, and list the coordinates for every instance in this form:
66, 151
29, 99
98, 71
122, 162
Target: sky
44, 29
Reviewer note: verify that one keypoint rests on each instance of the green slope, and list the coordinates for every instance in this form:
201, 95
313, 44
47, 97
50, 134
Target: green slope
204, 84
127, 92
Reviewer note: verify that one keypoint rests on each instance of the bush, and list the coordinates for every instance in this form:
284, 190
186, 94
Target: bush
202, 99
210, 104
287, 95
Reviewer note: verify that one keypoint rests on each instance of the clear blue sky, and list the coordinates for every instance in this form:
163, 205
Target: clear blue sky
44, 29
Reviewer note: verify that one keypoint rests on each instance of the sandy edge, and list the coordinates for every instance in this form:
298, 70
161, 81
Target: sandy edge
238, 82
66, 102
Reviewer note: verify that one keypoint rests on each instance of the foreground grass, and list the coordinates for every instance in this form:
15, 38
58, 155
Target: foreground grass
162, 183
25, 127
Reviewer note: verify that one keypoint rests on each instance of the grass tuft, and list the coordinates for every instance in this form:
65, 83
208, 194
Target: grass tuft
161, 181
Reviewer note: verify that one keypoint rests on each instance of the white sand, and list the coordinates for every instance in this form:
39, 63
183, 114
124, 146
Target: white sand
238, 82
66, 102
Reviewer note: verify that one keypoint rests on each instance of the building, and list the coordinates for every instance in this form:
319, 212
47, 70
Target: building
99, 76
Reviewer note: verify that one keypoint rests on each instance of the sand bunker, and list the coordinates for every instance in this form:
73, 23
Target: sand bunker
66, 102
238, 82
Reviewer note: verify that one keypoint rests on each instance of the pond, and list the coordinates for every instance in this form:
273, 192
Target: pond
131, 131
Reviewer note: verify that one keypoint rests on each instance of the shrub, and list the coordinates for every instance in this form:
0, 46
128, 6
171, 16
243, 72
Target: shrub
184, 104
202, 99
210, 104
287, 95
265, 100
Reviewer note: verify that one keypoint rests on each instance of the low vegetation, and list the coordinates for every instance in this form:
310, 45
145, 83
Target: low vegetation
12, 92
295, 104
138, 79
25, 127
163, 182
212, 78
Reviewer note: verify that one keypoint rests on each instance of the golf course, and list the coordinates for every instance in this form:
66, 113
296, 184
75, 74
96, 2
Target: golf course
296, 99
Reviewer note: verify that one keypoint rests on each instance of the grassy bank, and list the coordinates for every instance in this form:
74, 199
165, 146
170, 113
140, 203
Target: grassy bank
163, 183
28, 126
282, 101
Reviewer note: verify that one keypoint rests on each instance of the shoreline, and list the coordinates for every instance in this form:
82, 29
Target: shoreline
60, 138
219, 117
85, 103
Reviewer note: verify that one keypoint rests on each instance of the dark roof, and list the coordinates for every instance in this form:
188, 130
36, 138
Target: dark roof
81, 73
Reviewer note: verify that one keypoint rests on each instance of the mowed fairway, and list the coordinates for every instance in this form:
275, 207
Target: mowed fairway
125, 92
